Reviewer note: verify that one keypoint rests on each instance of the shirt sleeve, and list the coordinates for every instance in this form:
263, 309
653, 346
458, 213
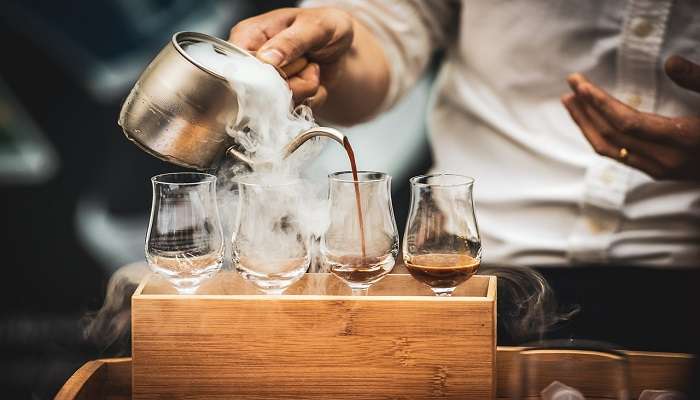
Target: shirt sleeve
409, 31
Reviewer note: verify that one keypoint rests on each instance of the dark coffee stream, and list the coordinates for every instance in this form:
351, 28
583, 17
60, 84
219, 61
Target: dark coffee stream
358, 203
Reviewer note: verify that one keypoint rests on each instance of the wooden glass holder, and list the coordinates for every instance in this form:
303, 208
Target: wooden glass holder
316, 341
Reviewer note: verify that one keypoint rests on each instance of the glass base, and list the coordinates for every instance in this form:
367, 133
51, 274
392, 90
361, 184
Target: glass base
443, 292
360, 290
187, 285
272, 284
187, 290
273, 291
358, 273
182, 282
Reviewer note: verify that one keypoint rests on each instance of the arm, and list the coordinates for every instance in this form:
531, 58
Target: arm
363, 59
362, 84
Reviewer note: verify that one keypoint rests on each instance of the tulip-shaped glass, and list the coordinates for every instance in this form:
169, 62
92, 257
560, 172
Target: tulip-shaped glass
271, 242
441, 245
361, 243
185, 242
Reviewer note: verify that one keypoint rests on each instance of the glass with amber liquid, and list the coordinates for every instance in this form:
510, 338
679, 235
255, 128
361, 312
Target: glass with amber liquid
361, 242
441, 246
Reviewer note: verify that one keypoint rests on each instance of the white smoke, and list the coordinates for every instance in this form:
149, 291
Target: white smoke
267, 119
266, 122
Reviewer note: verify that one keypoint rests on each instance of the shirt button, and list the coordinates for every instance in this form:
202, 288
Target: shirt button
595, 226
608, 178
634, 101
601, 225
641, 27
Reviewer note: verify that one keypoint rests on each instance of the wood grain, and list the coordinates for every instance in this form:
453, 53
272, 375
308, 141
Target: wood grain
670, 371
318, 342
99, 379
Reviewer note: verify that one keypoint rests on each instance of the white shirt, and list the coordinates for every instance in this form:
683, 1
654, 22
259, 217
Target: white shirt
543, 196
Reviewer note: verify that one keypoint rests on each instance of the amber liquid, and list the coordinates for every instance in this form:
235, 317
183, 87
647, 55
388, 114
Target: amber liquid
361, 271
358, 203
442, 270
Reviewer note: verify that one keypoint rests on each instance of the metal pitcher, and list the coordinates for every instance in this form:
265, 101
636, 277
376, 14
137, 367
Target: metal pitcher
178, 109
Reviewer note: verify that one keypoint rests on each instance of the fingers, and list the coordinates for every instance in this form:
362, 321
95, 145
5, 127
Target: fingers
295, 66
306, 87
656, 152
324, 34
317, 100
593, 128
306, 83
252, 33
621, 116
292, 43
660, 146
292, 68
281, 36
600, 145
683, 72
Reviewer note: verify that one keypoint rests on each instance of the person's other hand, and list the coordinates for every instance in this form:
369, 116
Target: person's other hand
286, 36
663, 147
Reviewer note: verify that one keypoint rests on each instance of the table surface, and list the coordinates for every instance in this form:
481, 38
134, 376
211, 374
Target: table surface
111, 378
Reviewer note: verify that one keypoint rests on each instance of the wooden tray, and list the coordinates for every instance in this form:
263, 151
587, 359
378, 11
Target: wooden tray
111, 378
315, 342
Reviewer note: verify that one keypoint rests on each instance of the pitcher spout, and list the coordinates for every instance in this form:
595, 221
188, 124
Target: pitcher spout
312, 133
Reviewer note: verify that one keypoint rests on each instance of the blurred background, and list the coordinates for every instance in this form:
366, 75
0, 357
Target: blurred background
76, 195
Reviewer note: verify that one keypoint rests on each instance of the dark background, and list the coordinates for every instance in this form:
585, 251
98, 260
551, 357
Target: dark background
52, 52
64, 70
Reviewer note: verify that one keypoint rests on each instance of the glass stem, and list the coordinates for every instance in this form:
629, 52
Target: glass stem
360, 291
187, 289
443, 292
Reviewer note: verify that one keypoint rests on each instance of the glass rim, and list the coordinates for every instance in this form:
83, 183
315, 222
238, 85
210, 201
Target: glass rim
467, 180
161, 178
335, 176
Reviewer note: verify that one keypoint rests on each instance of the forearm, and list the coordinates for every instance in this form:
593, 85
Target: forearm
362, 81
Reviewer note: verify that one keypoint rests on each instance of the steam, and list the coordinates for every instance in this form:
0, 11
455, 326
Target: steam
527, 305
265, 123
109, 328
267, 119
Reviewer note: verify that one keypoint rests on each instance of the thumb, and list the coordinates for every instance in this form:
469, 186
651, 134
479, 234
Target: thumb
683, 72
292, 43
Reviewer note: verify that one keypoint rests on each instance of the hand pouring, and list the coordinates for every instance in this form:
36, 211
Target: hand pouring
178, 109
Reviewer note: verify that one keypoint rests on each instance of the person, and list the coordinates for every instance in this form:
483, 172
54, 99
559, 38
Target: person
579, 121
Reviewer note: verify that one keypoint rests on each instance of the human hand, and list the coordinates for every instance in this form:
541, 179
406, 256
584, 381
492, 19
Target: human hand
286, 36
663, 147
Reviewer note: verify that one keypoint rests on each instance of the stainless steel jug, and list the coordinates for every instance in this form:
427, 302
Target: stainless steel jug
178, 109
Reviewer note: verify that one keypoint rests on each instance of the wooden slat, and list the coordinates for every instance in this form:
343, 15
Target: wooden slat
99, 379
648, 370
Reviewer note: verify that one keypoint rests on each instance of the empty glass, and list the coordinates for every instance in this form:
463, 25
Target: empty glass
361, 243
185, 241
271, 245
571, 369
441, 246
